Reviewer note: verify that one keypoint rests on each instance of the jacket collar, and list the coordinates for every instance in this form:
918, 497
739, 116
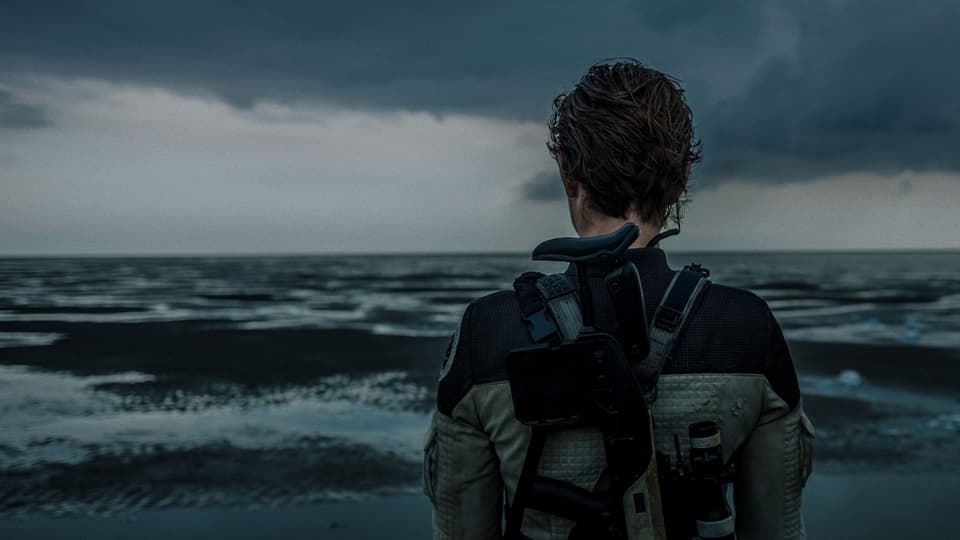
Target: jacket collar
648, 260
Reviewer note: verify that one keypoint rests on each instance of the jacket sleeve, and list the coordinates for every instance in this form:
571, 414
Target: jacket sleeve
461, 469
776, 459
464, 485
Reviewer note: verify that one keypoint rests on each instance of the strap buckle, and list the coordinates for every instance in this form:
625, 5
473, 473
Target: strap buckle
698, 268
541, 327
668, 318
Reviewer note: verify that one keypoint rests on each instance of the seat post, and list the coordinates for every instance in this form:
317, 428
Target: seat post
586, 299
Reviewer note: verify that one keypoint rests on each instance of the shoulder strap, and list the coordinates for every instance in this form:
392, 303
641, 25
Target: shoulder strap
533, 308
560, 293
551, 310
668, 322
516, 508
549, 306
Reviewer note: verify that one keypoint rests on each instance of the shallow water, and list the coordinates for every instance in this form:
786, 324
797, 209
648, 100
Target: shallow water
57, 417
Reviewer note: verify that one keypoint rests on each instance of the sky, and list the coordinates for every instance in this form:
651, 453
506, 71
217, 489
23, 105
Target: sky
134, 127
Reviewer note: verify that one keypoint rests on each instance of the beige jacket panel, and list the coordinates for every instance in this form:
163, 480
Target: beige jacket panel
462, 476
477, 454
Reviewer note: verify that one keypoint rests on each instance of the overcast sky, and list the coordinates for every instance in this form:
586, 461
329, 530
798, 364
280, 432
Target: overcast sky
245, 127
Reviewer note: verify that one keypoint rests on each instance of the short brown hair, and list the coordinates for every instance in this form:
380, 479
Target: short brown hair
625, 133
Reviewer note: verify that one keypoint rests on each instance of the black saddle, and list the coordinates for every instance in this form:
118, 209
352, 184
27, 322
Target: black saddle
606, 249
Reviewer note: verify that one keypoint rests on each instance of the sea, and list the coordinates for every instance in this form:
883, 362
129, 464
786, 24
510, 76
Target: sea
151, 382
903, 297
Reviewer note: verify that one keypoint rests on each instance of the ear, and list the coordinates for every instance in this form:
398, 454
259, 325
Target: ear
570, 187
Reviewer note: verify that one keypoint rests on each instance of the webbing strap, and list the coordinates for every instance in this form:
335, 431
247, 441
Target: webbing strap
551, 309
533, 308
534, 293
668, 321
530, 464
560, 293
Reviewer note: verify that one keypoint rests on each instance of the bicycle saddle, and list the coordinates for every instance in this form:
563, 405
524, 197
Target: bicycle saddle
606, 249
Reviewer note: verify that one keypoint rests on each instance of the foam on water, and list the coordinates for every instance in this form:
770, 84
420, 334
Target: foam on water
29, 339
63, 418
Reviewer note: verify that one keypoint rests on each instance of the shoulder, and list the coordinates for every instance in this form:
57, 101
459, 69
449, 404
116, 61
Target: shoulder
747, 338
739, 312
737, 298
494, 303
731, 331
490, 327
487, 321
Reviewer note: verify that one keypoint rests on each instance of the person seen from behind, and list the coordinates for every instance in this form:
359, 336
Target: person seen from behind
624, 146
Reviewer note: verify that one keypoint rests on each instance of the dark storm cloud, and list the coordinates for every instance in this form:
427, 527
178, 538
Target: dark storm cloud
781, 90
505, 59
544, 186
868, 88
14, 114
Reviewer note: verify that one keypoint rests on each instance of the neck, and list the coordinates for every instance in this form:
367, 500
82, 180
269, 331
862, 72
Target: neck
598, 225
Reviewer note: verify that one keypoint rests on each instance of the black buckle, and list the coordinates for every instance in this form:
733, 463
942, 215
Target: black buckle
540, 326
667, 318
699, 268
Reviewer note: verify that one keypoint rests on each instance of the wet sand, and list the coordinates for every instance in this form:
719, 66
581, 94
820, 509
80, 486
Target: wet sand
878, 506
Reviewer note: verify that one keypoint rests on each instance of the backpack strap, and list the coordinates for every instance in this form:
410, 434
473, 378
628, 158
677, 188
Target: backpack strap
549, 306
551, 309
560, 293
543, 328
669, 320
517, 507
540, 324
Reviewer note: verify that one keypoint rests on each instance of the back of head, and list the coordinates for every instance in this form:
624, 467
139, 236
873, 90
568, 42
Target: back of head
625, 133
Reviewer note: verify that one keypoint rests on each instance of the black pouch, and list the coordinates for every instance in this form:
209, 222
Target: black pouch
571, 382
